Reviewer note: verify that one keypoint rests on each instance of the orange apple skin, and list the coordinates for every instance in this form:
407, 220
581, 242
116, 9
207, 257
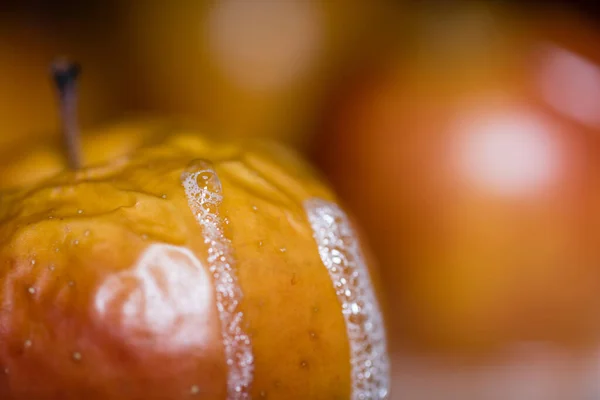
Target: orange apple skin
467, 270
65, 235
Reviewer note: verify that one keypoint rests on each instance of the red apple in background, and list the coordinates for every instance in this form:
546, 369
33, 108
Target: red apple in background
477, 185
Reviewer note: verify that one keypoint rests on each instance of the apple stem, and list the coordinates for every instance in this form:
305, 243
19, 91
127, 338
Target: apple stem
65, 74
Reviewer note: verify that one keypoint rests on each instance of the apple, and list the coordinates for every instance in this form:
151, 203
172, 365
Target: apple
268, 64
479, 194
181, 267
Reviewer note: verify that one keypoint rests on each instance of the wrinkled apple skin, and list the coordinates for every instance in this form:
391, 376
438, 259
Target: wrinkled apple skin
82, 254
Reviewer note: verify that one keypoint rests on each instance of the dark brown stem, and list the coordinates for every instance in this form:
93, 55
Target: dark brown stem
65, 75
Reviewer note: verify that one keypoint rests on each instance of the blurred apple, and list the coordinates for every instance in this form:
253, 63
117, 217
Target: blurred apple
246, 68
472, 159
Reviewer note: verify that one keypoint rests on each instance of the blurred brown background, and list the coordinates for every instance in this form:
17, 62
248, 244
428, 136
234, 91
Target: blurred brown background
463, 135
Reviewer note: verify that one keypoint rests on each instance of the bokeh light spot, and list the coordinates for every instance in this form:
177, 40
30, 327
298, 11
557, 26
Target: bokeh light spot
266, 44
508, 153
570, 84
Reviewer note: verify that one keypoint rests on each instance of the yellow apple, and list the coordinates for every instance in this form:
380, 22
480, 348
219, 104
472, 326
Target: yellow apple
174, 266
247, 69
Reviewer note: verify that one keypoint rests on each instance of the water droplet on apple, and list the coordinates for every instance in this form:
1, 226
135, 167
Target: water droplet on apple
205, 176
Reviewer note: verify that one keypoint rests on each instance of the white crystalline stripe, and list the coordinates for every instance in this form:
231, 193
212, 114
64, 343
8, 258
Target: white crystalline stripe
204, 203
340, 252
